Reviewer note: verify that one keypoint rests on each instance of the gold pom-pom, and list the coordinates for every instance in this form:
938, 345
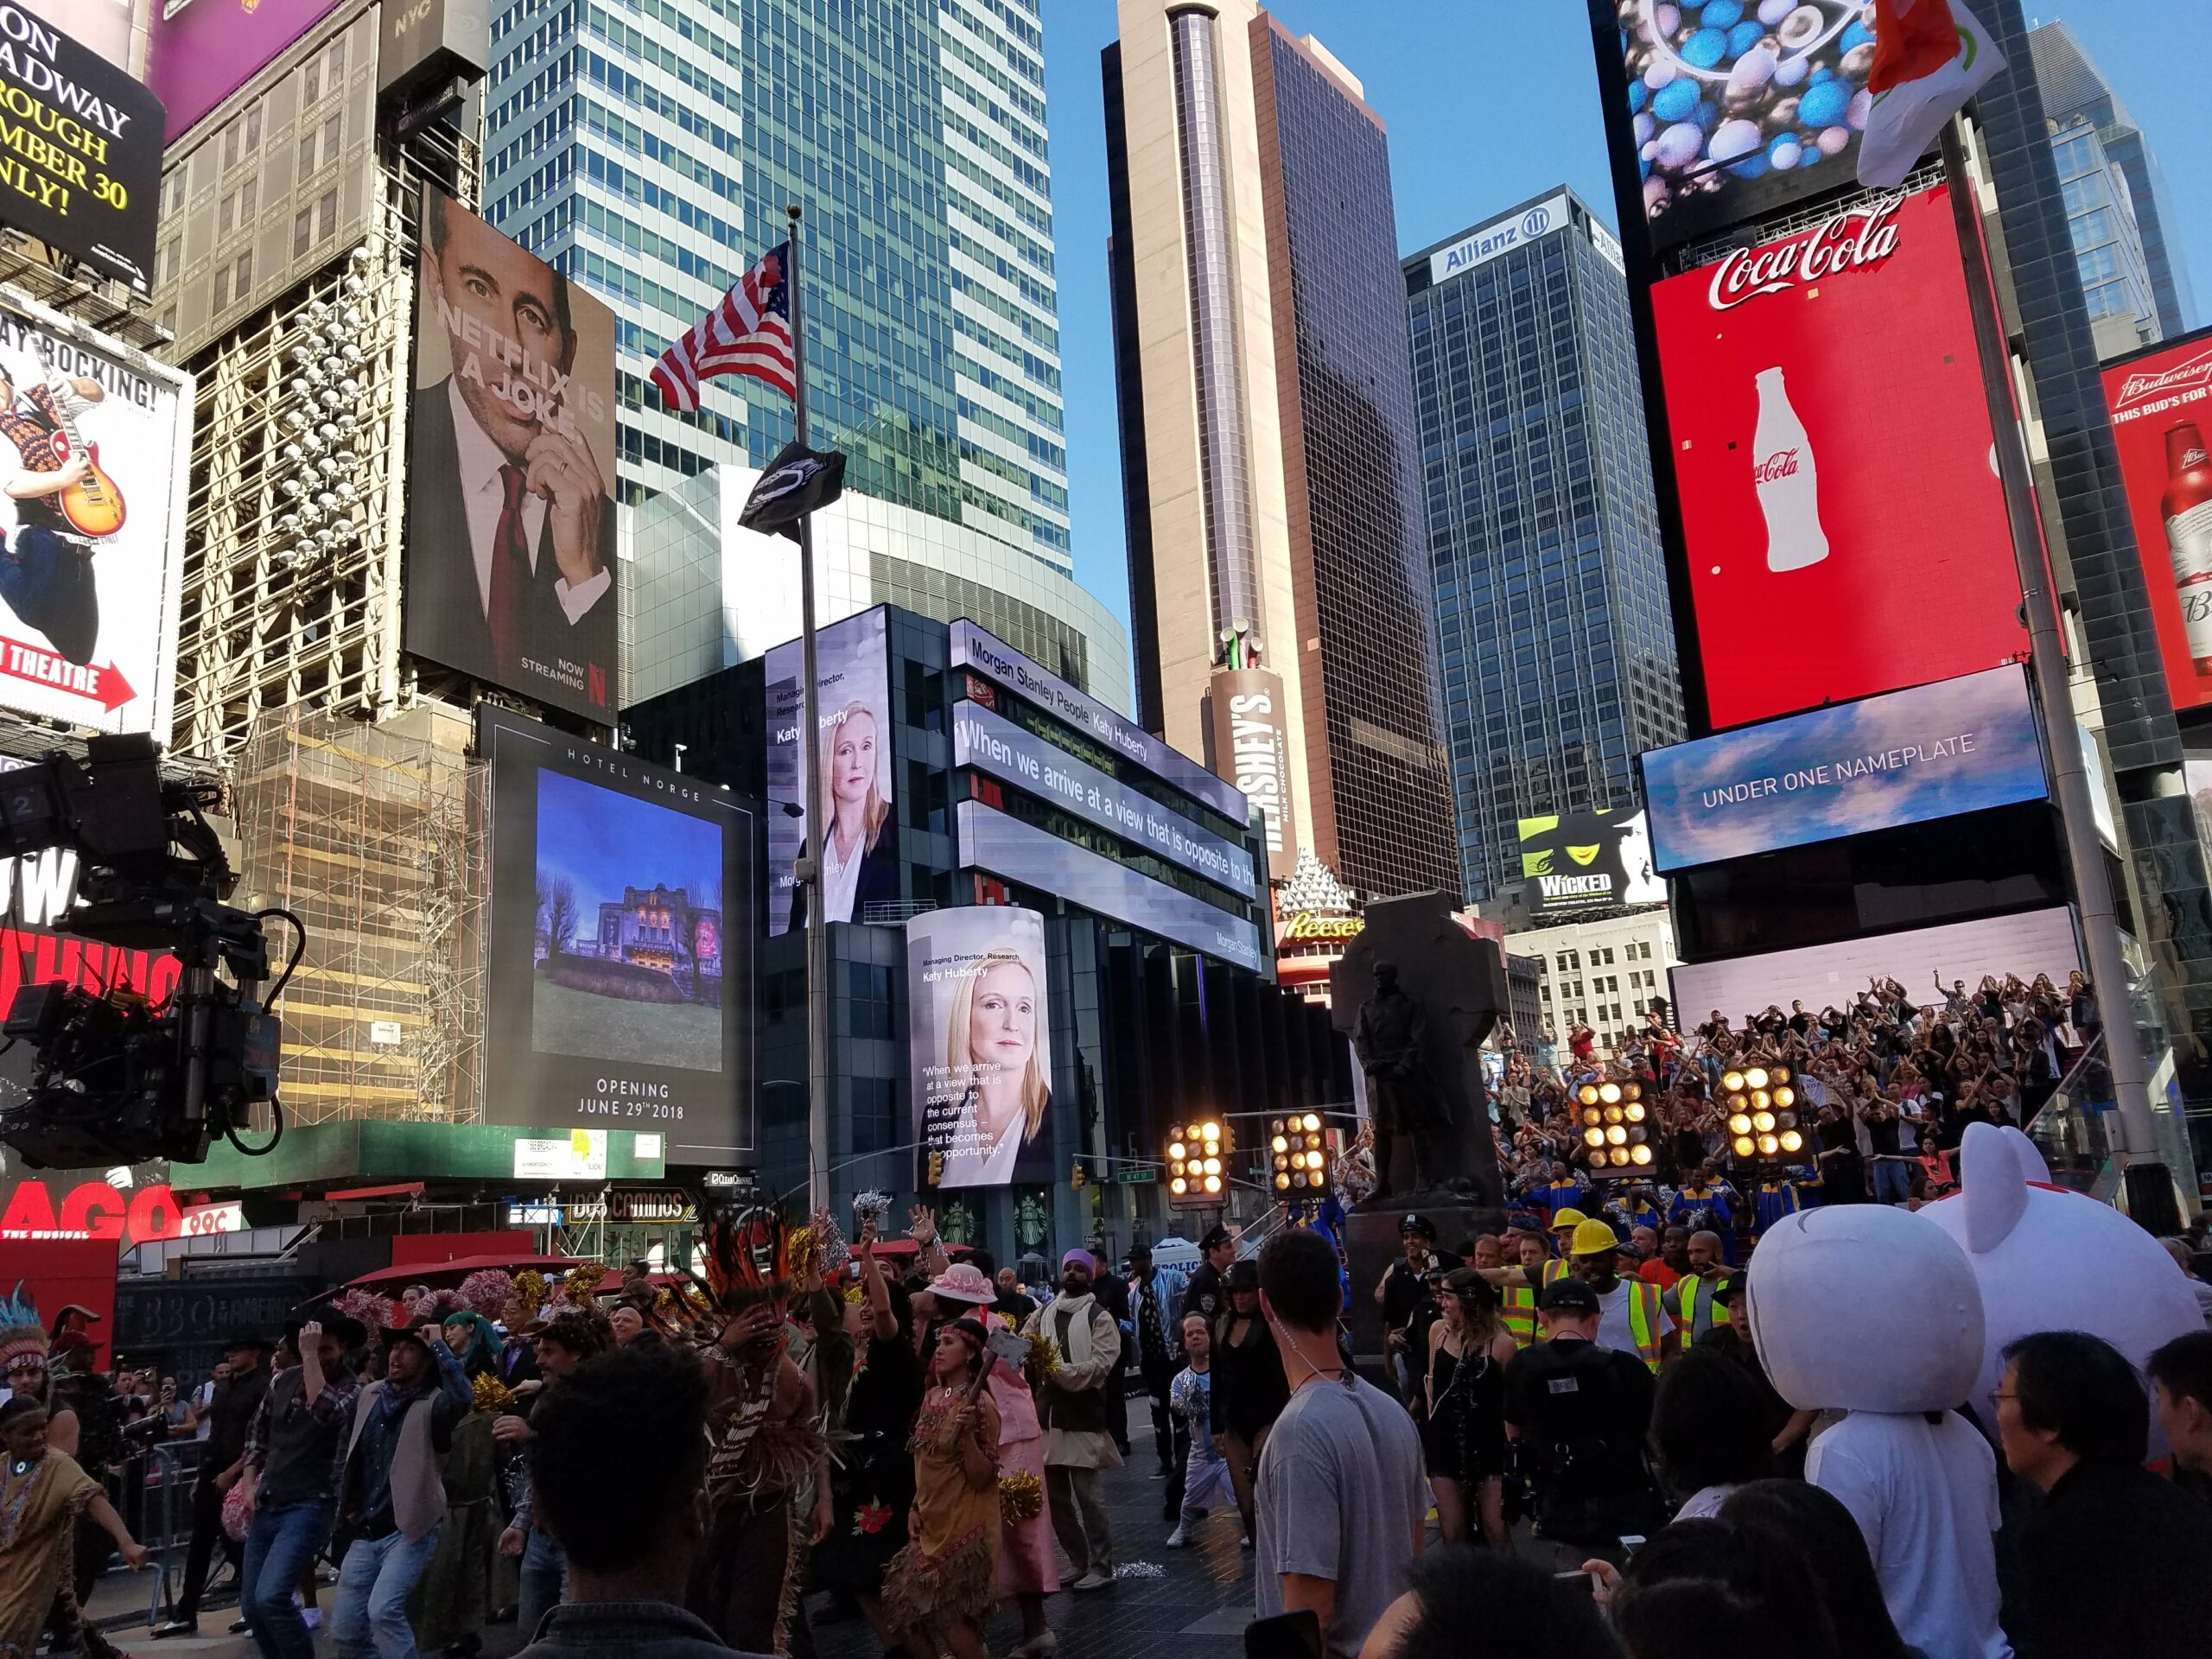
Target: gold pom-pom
580, 1288
530, 1290
1021, 1498
491, 1394
1044, 1358
803, 1250
855, 1295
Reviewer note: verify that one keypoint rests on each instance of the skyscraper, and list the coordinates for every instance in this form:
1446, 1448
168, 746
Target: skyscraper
1556, 651
1278, 594
649, 148
2118, 242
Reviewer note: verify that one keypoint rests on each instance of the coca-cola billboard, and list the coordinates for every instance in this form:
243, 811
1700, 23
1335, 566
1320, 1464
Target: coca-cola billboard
1843, 525
2161, 403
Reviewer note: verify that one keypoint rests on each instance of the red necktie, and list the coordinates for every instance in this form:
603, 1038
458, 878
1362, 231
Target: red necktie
510, 573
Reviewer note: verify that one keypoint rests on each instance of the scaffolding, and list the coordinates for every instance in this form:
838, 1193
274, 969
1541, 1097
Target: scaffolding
307, 402
368, 833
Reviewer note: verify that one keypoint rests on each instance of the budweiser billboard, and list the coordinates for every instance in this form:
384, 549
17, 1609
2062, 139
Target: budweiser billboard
1832, 456
2161, 403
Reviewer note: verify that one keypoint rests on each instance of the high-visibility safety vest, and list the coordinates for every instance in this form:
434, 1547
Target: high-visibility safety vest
1700, 1312
1518, 1313
1644, 1319
1555, 1268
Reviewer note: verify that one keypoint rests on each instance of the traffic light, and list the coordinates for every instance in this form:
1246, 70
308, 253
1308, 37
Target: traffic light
1078, 1178
1612, 1116
1198, 1162
1761, 1105
1299, 1152
937, 1169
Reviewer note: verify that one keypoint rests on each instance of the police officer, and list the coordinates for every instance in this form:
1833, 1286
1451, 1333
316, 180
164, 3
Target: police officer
1578, 1412
1402, 1291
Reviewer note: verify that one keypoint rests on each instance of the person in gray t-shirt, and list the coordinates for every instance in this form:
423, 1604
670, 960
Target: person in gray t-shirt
1342, 1499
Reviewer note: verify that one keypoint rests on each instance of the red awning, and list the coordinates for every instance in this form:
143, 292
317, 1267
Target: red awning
403, 1190
431, 1272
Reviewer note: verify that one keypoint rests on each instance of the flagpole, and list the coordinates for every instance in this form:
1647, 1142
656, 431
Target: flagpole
2093, 898
810, 875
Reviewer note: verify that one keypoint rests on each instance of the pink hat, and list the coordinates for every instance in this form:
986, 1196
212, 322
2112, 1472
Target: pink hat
964, 1283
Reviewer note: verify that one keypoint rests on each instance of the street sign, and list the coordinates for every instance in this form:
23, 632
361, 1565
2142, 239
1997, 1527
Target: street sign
1144, 1177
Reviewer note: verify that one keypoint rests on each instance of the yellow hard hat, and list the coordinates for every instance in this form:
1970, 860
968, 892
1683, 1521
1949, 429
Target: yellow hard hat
1567, 1219
1594, 1238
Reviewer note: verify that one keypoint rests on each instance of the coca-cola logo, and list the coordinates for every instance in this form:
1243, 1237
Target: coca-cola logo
1782, 463
1850, 240
2197, 371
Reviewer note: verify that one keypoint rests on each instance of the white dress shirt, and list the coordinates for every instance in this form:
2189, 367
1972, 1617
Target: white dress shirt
484, 495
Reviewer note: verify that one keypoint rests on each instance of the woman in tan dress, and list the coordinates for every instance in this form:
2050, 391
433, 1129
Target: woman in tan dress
41, 1493
946, 1577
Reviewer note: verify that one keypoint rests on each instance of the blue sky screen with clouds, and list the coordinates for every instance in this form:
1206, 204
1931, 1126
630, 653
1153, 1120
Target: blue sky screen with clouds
1933, 752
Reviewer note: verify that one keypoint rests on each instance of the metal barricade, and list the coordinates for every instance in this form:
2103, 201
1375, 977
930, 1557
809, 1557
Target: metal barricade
156, 1486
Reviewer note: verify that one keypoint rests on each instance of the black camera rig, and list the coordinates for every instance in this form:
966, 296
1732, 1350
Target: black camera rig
119, 1079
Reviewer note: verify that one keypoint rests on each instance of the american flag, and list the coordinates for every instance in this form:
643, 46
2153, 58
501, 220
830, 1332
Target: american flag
749, 332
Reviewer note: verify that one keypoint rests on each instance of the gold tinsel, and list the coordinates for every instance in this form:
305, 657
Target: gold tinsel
530, 1290
855, 1295
802, 1253
491, 1394
580, 1288
1044, 1358
1021, 1498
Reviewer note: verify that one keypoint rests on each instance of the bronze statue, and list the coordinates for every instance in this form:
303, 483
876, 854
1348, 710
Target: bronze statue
1402, 1096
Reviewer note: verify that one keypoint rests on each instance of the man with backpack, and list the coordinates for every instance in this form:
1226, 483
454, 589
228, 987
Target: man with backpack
1578, 1412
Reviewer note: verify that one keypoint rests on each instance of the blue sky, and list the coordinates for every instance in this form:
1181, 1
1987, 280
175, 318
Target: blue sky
604, 841
1489, 102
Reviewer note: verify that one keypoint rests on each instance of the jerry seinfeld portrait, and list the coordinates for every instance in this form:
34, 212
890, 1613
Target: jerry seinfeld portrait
510, 571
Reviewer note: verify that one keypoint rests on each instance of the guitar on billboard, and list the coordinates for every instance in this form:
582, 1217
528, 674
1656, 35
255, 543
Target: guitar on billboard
93, 506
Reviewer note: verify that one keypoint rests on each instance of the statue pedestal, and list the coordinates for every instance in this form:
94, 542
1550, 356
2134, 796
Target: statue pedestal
1371, 1243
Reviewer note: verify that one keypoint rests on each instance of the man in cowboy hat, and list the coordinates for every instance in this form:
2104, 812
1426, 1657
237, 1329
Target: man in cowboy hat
222, 1459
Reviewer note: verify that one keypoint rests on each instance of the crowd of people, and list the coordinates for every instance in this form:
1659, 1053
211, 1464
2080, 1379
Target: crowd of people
1887, 1085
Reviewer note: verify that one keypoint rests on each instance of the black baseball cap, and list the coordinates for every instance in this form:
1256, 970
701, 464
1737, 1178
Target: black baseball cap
1570, 1293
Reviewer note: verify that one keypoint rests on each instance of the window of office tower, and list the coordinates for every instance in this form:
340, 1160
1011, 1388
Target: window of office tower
1358, 544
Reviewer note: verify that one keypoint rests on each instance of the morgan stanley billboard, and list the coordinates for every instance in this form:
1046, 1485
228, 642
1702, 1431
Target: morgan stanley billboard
1934, 752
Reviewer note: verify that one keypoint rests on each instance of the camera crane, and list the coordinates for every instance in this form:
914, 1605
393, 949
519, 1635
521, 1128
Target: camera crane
119, 1079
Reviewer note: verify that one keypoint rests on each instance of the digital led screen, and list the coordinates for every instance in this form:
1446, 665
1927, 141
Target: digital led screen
1014, 851
2161, 404
1582, 860
622, 942
990, 743
1822, 396
2032, 943
510, 573
1728, 109
853, 704
984, 651
1933, 752
978, 1032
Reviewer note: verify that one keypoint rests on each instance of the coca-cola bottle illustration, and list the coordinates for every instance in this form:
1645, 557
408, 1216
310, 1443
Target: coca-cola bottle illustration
1788, 480
2186, 509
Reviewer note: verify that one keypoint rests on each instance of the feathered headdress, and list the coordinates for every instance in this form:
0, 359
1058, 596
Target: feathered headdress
21, 1331
748, 1255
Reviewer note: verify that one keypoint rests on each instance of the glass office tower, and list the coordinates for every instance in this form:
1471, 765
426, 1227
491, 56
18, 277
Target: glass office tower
2077, 94
1555, 644
649, 147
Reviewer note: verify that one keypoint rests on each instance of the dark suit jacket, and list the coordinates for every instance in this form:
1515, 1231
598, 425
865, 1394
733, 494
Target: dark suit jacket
444, 610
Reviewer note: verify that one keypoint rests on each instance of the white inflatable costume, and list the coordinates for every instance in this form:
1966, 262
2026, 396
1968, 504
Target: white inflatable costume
2048, 1259
1875, 1312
